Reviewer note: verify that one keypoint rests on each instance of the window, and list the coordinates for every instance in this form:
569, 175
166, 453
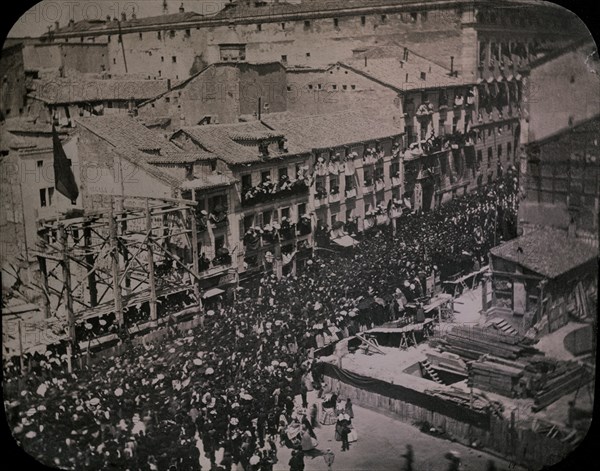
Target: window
248, 223
219, 242
266, 217
383, 18
307, 24
413, 17
282, 25
284, 58
265, 175
319, 86
114, 60
188, 33
141, 36
308, 54
174, 59
572, 79
310, 87
490, 155
289, 89
50, 195
301, 210
167, 99
108, 38
334, 87
40, 163
172, 33
336, 23
424, 16
162, 58
353, 87
43, 197
499, 150
423, 76
345, 87
508, 150
158, 34
363, 20
259, 27
285, 213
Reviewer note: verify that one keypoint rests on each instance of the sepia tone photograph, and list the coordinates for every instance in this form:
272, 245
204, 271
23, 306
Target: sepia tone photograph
304, 235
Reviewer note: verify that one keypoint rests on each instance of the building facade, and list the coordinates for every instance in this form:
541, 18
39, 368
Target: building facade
480, 38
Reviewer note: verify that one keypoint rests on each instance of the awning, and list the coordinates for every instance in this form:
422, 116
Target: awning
345, 241
212, 293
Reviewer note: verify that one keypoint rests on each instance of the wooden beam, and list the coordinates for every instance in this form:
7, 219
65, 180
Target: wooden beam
153, 306
67, 289
115, 265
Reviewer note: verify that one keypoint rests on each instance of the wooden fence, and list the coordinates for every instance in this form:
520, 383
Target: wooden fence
518, 444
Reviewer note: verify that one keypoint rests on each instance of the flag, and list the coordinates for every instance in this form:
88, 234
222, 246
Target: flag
64, 180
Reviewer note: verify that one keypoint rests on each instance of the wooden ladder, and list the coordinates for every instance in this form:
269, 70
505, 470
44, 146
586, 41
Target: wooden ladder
431, 372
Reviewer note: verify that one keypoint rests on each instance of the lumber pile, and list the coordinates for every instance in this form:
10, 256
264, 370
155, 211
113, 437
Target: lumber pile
566, 378
496, 376
470, 342
480, 401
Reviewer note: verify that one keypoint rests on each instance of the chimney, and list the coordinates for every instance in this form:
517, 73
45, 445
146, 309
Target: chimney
451, 65
181, 9
123, 16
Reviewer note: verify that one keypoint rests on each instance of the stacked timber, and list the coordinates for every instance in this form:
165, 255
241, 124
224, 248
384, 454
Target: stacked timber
470, 342
477, 401
566, 378
497, 376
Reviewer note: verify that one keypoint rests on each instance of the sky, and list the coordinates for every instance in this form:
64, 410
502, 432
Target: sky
36, 21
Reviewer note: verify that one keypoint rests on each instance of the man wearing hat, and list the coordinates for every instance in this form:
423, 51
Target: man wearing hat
329, 457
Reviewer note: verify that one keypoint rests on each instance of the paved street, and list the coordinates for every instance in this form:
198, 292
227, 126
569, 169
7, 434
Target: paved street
381, 443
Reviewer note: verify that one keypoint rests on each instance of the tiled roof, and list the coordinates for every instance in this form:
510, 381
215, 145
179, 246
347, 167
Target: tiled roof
180, 157
241, 10
546, 251
220, 139
392, 71
99, 25
330, 130
81, 90
127, 132
28, 126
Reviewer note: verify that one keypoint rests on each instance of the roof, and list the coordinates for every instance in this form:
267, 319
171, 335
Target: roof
330, 130
403, 75
206, 182
123, 131
149, 21
547, 251
180, 157
57, 91
556, 53
140, 159
224, 140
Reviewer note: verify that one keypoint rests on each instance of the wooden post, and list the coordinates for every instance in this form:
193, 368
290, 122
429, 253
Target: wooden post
21, 360
153, 307
195, 266
62, 235
44, 271
115, 264
89, 258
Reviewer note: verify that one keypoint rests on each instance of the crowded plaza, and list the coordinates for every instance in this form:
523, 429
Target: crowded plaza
234, 389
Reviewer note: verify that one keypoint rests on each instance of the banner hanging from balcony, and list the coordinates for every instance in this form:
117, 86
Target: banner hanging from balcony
64, 180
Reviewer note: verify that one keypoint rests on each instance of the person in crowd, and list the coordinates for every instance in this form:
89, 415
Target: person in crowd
329, 458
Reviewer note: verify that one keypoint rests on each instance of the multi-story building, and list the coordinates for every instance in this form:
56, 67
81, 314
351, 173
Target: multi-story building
270, 206
561, 159
481, 38
13, 90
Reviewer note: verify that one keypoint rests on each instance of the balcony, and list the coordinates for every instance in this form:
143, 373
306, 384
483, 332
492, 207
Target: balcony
379, 185
270, 192
321, 169
334, 198
320, 199
368, 187
351, 193
396, 181
334, 168
369, 159
218, 218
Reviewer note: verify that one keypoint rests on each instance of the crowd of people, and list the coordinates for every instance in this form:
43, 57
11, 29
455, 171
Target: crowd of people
232, 382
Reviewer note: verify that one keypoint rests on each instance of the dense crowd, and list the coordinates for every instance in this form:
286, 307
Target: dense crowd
232, 382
